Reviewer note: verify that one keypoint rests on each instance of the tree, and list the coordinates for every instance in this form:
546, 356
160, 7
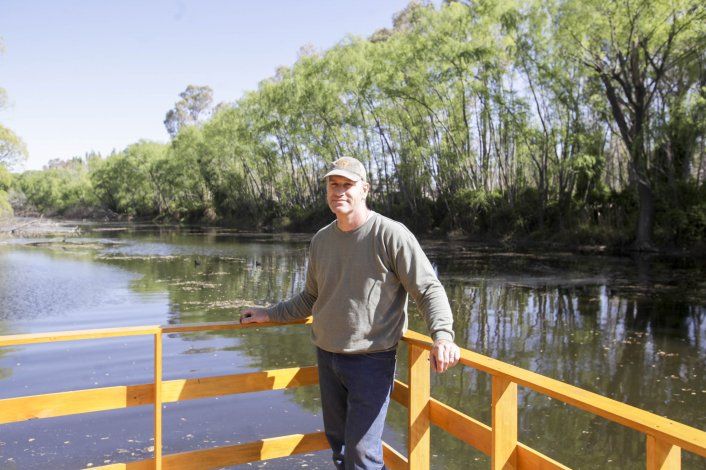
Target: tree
12, 148
125, 183
193, 108
632, 47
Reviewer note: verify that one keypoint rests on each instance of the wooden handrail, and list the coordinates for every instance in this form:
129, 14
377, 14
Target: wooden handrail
665, 438
673, 432
57, 336
75, 335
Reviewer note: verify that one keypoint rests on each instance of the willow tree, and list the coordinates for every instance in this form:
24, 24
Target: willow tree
632, 47
125, 183
568, 129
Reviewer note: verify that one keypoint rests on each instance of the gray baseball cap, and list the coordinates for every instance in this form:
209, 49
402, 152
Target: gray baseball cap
348, 167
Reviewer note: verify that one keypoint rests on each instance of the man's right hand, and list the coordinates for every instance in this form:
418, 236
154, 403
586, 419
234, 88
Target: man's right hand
254, 315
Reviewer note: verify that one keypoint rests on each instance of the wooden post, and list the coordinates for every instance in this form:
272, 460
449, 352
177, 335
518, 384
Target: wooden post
504, 424
662, 455
419, 395
158, 400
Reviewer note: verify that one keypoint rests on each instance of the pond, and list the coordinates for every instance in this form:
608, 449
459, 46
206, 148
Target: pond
633, 329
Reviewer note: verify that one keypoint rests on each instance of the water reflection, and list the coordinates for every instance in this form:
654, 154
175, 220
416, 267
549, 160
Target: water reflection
630, 329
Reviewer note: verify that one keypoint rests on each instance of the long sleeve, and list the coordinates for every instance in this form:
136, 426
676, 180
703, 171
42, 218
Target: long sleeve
417, 275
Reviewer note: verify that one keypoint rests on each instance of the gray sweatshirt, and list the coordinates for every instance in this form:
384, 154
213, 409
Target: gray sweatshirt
357, 284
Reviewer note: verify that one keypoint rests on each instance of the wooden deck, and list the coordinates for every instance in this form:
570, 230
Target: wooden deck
665, 438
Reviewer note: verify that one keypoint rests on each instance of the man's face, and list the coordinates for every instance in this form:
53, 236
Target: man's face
345, 196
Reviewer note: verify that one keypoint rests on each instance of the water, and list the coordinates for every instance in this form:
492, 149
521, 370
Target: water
631, 329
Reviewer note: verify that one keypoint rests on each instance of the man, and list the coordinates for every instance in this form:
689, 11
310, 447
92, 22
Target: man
361, 269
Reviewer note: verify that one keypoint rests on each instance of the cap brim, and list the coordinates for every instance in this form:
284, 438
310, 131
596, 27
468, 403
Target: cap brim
346, 174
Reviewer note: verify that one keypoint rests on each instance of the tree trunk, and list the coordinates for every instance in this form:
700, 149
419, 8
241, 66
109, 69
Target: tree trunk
645, 222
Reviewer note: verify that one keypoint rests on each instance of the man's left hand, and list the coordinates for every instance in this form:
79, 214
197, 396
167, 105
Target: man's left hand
444, 354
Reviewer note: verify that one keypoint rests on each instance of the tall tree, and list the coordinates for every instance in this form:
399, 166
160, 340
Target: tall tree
193, 108
632, 46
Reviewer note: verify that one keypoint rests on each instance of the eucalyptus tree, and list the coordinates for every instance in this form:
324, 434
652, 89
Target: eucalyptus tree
193, 108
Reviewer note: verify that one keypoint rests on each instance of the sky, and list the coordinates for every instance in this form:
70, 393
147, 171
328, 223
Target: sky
86, 75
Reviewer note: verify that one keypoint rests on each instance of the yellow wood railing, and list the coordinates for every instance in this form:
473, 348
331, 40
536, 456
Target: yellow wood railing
665, 438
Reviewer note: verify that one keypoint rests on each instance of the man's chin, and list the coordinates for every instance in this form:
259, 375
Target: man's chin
340, 210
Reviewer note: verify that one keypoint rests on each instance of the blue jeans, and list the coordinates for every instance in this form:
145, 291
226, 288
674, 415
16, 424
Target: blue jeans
355, 393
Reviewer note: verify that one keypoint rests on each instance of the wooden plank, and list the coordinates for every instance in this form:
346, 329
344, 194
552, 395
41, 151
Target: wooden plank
75, 335
189, 389
461, 426
110, 398
50, 405
503, 453
419, 393
675, 433
530, 459
662, 455
393, 459
230, 325
57, 336
473, 432
138, 465
400, 393
217, 457
158, 401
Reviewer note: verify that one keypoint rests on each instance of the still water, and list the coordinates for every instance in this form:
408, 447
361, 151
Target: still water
631, 329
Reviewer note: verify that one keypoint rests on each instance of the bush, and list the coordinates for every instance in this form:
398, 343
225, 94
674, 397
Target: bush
680, 216
58, 190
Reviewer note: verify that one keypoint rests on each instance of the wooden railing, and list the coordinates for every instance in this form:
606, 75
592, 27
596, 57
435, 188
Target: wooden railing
665, 438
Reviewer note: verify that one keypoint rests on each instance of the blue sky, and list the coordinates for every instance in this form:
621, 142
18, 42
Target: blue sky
100, 75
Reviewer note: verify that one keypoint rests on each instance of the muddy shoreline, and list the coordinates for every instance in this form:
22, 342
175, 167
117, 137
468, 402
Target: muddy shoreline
37, 227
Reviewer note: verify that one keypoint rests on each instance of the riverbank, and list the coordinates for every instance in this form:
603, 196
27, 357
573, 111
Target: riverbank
37, 227
456, 241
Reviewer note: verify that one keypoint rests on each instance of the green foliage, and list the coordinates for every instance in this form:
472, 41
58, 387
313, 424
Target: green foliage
63, 189
5, 178
12, 148
191, 109
126, 182
180, 185
683, 224
495, 118
5, 183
